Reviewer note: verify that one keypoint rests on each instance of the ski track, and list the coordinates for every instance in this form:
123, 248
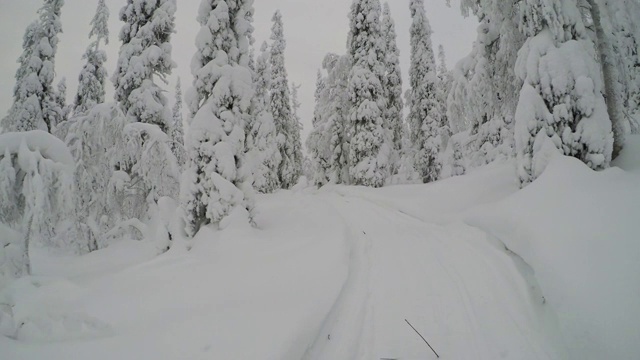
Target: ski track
448, 282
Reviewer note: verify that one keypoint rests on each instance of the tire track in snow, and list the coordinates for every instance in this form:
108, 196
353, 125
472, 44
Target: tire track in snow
434, 260
342, 332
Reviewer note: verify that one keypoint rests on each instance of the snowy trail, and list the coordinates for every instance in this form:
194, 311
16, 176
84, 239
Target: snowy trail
464, 294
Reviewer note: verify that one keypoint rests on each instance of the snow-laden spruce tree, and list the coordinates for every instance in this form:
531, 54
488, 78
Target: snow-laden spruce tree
296, 125
34, 98
337, 109
35, 191
317, 142
370, 147
561, 106
442, 92
61, 101
290, 166
145, 55
262, 144
177, 127
214, 183
424, 117
92, 77
619, 21
392, 85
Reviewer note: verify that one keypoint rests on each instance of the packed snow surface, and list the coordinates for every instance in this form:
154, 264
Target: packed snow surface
481, 269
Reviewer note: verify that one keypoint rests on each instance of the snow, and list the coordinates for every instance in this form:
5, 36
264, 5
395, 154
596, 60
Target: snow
38, 141
628, 159
482, 269
579, 230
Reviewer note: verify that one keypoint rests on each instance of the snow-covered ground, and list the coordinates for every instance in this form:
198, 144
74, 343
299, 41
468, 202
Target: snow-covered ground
482, 270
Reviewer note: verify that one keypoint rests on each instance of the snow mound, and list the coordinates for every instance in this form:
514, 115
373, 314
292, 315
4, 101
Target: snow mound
578, 230
32, 310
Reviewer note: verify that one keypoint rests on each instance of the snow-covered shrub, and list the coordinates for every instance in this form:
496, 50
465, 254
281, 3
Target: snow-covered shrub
35, 193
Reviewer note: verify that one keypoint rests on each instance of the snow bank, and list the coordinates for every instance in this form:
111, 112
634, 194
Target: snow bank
240, 293
578, 230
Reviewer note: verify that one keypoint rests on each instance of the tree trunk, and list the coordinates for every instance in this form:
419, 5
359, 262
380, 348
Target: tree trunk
610, 76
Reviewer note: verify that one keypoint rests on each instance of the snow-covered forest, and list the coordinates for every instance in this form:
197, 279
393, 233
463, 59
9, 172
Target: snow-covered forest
487, 210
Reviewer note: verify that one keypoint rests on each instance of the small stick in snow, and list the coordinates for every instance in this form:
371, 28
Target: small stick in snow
425, 340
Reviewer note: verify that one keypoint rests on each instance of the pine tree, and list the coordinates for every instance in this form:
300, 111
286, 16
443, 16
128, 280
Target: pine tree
261, 139
568, 116
177, 128
213, 182
34, 104
144, 55
369, 150
392, 85
92, 77
289, 169
424, 117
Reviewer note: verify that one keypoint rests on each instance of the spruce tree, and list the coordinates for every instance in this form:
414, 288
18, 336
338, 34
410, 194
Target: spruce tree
424, 117
145, 55
35, 104
569, 116
392, 85
290, 168
214, 183
369, 150
261, 139
442, 92
177, 128
92, 77
316, 142
337, 112
296, 128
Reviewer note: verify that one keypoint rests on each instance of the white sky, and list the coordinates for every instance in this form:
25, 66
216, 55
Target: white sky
312, 29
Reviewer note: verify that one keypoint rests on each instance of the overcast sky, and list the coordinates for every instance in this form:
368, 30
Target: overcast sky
312, 29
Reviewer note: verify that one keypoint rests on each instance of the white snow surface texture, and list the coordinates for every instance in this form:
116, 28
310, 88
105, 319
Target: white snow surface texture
333, 274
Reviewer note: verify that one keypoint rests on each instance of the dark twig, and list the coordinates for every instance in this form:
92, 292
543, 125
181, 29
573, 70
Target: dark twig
425, 340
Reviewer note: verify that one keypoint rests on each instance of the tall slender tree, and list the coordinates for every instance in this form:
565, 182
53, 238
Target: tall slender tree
442, 92
92, 77
392, 85
369, 150
424, 117
35, 104
288, 131
177, 127
261, 139
214, 183
145, 55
